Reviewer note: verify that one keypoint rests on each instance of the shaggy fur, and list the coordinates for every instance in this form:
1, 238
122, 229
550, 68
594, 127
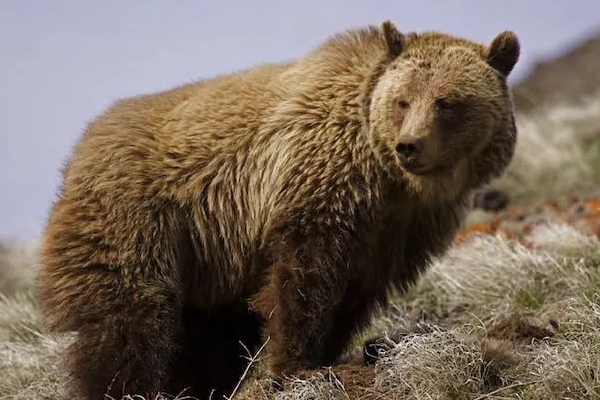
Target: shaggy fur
271, 203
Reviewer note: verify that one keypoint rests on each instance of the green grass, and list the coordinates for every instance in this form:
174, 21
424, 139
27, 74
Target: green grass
591, 155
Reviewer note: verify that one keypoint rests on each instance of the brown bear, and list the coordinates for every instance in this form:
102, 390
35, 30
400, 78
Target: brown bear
279, 204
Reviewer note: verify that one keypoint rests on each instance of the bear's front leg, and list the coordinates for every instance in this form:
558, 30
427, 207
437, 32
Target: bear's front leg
298, 304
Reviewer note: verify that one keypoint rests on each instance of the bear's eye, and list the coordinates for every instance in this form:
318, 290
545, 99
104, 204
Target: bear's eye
403, 104
443, 104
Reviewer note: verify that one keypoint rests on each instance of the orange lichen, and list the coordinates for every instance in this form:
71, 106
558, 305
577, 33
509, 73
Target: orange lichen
517, 222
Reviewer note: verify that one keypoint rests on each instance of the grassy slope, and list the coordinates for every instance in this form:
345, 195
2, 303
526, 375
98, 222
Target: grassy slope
495, 319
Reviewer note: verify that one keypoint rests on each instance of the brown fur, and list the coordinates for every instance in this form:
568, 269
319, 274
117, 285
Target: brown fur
273, 197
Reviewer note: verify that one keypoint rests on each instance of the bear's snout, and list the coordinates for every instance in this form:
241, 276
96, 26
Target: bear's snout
417, 154
409, 149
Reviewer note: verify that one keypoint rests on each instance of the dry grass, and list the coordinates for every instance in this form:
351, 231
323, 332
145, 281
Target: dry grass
494, 319
17, 267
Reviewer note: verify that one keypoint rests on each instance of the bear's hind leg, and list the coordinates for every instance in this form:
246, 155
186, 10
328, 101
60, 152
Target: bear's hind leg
124, 347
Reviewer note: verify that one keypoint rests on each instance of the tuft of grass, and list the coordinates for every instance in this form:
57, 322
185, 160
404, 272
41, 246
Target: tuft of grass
569, 366
452, 356
29, 359
530, 298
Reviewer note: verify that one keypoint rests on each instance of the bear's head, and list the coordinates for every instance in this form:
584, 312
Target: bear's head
439, 113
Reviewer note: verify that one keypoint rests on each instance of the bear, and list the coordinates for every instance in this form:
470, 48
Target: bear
273, 208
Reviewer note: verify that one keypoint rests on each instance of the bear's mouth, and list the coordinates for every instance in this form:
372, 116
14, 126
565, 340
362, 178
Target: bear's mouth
416, 168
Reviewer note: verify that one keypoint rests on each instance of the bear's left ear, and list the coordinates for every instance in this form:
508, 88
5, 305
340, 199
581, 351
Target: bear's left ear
503, 53
394, 40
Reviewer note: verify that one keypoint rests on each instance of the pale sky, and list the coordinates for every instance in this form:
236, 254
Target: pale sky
64, 62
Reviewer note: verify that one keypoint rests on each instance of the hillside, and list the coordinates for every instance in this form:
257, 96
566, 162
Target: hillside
569, 78
512, 312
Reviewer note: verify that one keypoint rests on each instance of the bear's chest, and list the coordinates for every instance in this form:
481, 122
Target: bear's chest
394, 235
409, 235
386, 250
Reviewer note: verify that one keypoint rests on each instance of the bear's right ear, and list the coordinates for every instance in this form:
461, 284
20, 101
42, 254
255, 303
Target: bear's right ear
394, 40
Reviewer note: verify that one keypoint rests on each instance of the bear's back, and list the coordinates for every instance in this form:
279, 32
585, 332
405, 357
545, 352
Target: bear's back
163, 139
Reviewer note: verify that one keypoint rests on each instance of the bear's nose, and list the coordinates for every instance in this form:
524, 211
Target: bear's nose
410, 149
